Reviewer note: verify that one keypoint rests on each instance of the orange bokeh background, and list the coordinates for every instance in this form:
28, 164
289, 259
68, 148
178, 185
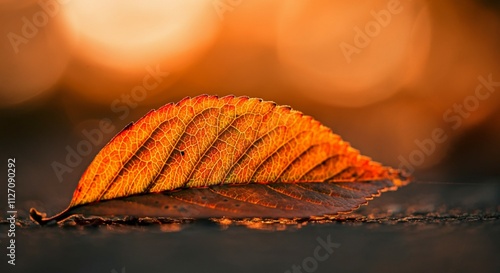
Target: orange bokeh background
380, 73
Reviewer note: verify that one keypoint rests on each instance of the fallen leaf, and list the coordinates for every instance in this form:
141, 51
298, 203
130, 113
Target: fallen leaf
227, 157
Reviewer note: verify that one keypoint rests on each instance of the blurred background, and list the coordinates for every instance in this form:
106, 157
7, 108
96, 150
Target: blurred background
412, 84
409, 83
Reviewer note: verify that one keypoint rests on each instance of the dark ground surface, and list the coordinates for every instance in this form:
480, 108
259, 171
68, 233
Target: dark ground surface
419, 228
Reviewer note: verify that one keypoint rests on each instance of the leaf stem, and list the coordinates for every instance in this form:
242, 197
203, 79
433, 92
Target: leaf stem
41, 218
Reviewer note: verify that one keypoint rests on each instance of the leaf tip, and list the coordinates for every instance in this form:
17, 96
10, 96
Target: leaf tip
403, 178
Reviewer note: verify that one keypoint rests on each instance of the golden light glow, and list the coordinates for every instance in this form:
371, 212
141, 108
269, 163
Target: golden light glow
353, 55
131, 34
120, 39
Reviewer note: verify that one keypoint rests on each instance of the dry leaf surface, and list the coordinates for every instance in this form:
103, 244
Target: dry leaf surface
232, 157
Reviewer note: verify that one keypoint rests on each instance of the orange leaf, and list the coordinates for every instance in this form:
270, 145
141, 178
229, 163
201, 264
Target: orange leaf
232, 156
